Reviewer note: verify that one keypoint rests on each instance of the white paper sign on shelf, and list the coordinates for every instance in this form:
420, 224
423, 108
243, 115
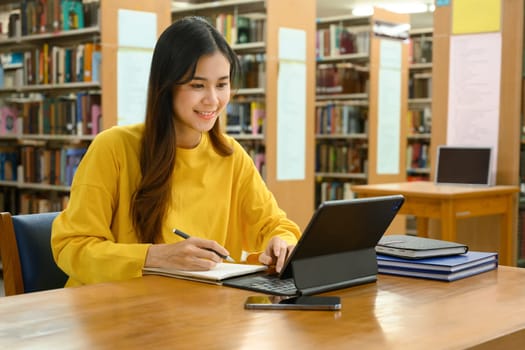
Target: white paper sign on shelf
389, 107
474, 91
137, 35
291, 105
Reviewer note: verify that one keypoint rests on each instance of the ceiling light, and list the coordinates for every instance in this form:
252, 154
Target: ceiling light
180, 4
365, 10
405, 8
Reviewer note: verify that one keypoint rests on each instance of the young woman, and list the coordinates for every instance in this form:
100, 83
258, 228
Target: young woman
177, 170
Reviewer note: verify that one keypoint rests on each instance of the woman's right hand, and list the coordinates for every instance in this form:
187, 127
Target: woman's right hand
194, 253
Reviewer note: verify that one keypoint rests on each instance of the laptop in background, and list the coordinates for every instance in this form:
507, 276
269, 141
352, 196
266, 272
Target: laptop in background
464, 165
336, 250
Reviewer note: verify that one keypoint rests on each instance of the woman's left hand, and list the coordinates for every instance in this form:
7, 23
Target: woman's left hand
276, 253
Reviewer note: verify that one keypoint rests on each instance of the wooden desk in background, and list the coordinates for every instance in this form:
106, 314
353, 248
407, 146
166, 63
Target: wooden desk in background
153, 312
426, 200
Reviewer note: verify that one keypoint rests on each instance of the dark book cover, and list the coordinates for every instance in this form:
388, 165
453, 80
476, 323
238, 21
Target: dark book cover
413, 247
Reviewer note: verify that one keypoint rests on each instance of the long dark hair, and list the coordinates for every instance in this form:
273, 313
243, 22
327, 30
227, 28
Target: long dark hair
174, 62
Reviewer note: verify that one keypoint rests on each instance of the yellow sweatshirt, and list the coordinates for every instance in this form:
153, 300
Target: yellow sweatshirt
213, 197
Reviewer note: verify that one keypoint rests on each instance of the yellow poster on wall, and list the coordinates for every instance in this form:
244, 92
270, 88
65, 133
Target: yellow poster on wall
476, 16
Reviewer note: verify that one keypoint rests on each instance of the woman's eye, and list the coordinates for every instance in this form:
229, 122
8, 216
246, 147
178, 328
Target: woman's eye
222, 85
197, 86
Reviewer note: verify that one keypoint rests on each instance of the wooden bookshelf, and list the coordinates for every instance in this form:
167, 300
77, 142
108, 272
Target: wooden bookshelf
357, 68
103, 33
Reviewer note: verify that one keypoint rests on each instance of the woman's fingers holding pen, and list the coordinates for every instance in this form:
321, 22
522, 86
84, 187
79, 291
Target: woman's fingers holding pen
202, 249
181, 256
211, 246
191, 254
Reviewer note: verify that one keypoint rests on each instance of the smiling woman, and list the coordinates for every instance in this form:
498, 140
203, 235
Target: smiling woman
176, 170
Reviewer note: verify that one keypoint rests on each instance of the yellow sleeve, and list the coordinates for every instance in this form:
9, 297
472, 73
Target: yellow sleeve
261, 214
92, 240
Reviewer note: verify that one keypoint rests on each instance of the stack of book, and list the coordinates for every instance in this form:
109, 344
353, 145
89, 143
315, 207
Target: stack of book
412, 256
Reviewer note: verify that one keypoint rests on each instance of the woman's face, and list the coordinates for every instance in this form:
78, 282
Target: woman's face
198, 103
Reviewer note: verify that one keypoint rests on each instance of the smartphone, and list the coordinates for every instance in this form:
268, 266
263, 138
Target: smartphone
274, 302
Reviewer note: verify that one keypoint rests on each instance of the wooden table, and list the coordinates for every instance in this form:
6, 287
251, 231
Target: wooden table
426, 200
153, 312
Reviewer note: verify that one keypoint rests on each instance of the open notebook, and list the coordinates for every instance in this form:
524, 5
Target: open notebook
215, 275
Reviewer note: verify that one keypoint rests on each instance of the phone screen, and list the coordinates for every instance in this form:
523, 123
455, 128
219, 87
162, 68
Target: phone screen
275, 302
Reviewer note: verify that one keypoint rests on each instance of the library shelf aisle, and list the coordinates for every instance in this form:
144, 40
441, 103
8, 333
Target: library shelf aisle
419, 116
348, 107
252, 29
51, 103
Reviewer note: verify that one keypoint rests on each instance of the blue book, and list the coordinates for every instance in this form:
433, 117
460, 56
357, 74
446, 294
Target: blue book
447, 268
96, 61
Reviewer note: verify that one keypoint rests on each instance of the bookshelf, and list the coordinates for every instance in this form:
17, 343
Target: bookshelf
51, 94
419, 117
251, 117
348, 135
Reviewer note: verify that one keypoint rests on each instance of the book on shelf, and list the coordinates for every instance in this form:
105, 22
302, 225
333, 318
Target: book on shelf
340, 119
8, 120
50, 16
420, 49
220, 272
338, 39
253, 68
259, 158
96, 62
36, 203
96, 117
337, 158
73, 156
258, 115
8, 164
8, 199
72, 15
419, 120
14, 24
240, 29
52, 64
444, 268
413, 247
243, 30
417, 155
